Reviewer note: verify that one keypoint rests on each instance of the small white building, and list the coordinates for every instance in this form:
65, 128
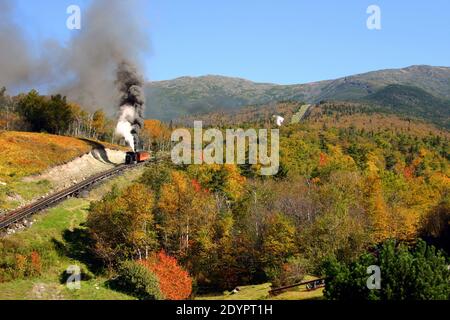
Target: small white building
279, 120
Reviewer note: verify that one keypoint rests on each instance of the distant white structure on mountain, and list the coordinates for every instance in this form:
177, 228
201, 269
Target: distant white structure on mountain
279, 120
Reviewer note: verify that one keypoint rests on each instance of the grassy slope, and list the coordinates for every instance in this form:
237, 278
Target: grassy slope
25, 153
58, 236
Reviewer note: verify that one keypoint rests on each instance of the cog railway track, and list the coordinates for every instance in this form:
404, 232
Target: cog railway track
20, 214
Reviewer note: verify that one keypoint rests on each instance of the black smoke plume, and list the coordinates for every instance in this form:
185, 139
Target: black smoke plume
132, 103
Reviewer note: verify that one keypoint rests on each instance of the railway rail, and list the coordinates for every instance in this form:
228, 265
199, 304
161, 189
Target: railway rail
310, 286
22, 213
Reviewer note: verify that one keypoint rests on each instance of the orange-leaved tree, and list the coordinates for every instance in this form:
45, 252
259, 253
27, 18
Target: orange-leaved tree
175, 283
187, 216
156, 134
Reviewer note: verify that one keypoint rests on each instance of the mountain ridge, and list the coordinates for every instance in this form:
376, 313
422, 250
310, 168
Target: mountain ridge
184, 96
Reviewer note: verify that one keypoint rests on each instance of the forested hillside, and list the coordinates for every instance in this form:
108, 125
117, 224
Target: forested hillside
349, 180
412, 101
352, 178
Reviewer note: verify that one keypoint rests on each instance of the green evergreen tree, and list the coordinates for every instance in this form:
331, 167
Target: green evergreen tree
419, 273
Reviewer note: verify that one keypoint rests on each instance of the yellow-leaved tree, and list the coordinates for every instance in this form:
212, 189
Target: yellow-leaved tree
187, 216
122, 225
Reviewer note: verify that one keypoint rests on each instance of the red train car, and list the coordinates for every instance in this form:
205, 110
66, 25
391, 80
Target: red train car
143, 156
137, 157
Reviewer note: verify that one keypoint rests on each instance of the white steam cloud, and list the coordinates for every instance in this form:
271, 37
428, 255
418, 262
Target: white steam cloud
124, 127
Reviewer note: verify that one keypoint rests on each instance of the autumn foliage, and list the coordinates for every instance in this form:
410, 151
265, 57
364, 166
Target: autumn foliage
27, 265
36, 266
156, 134
174, 282
25, 153
121, 225
345, 189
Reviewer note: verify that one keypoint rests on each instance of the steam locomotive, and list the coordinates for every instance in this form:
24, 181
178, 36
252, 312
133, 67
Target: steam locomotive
137, 157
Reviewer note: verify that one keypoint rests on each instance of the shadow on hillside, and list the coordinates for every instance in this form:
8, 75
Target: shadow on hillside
98, 151
76, 246
116, 285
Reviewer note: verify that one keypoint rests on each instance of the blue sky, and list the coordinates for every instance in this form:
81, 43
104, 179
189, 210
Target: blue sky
284, 41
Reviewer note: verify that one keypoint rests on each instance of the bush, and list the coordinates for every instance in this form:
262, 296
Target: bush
36, 264
293, 271
420, 273
18, 266
49, 115
174, 281
156, 176
138, 281
21, 265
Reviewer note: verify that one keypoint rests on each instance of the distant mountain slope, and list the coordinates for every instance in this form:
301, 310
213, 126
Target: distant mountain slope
412, 101
338, 114
259, 114
187, 96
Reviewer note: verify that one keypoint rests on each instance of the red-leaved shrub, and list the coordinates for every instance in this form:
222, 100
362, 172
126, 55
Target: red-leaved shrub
36, 266
174, 282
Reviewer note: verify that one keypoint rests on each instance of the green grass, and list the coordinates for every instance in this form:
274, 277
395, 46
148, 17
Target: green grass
255, 292
18, 192
296, 118
59, 236
300, 293
30, 190
122, 181
53, 290
261, 292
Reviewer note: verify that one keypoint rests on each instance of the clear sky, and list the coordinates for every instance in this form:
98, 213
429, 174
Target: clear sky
279, 41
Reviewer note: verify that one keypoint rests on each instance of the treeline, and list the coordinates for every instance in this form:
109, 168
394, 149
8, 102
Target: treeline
52, 114
55, 115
